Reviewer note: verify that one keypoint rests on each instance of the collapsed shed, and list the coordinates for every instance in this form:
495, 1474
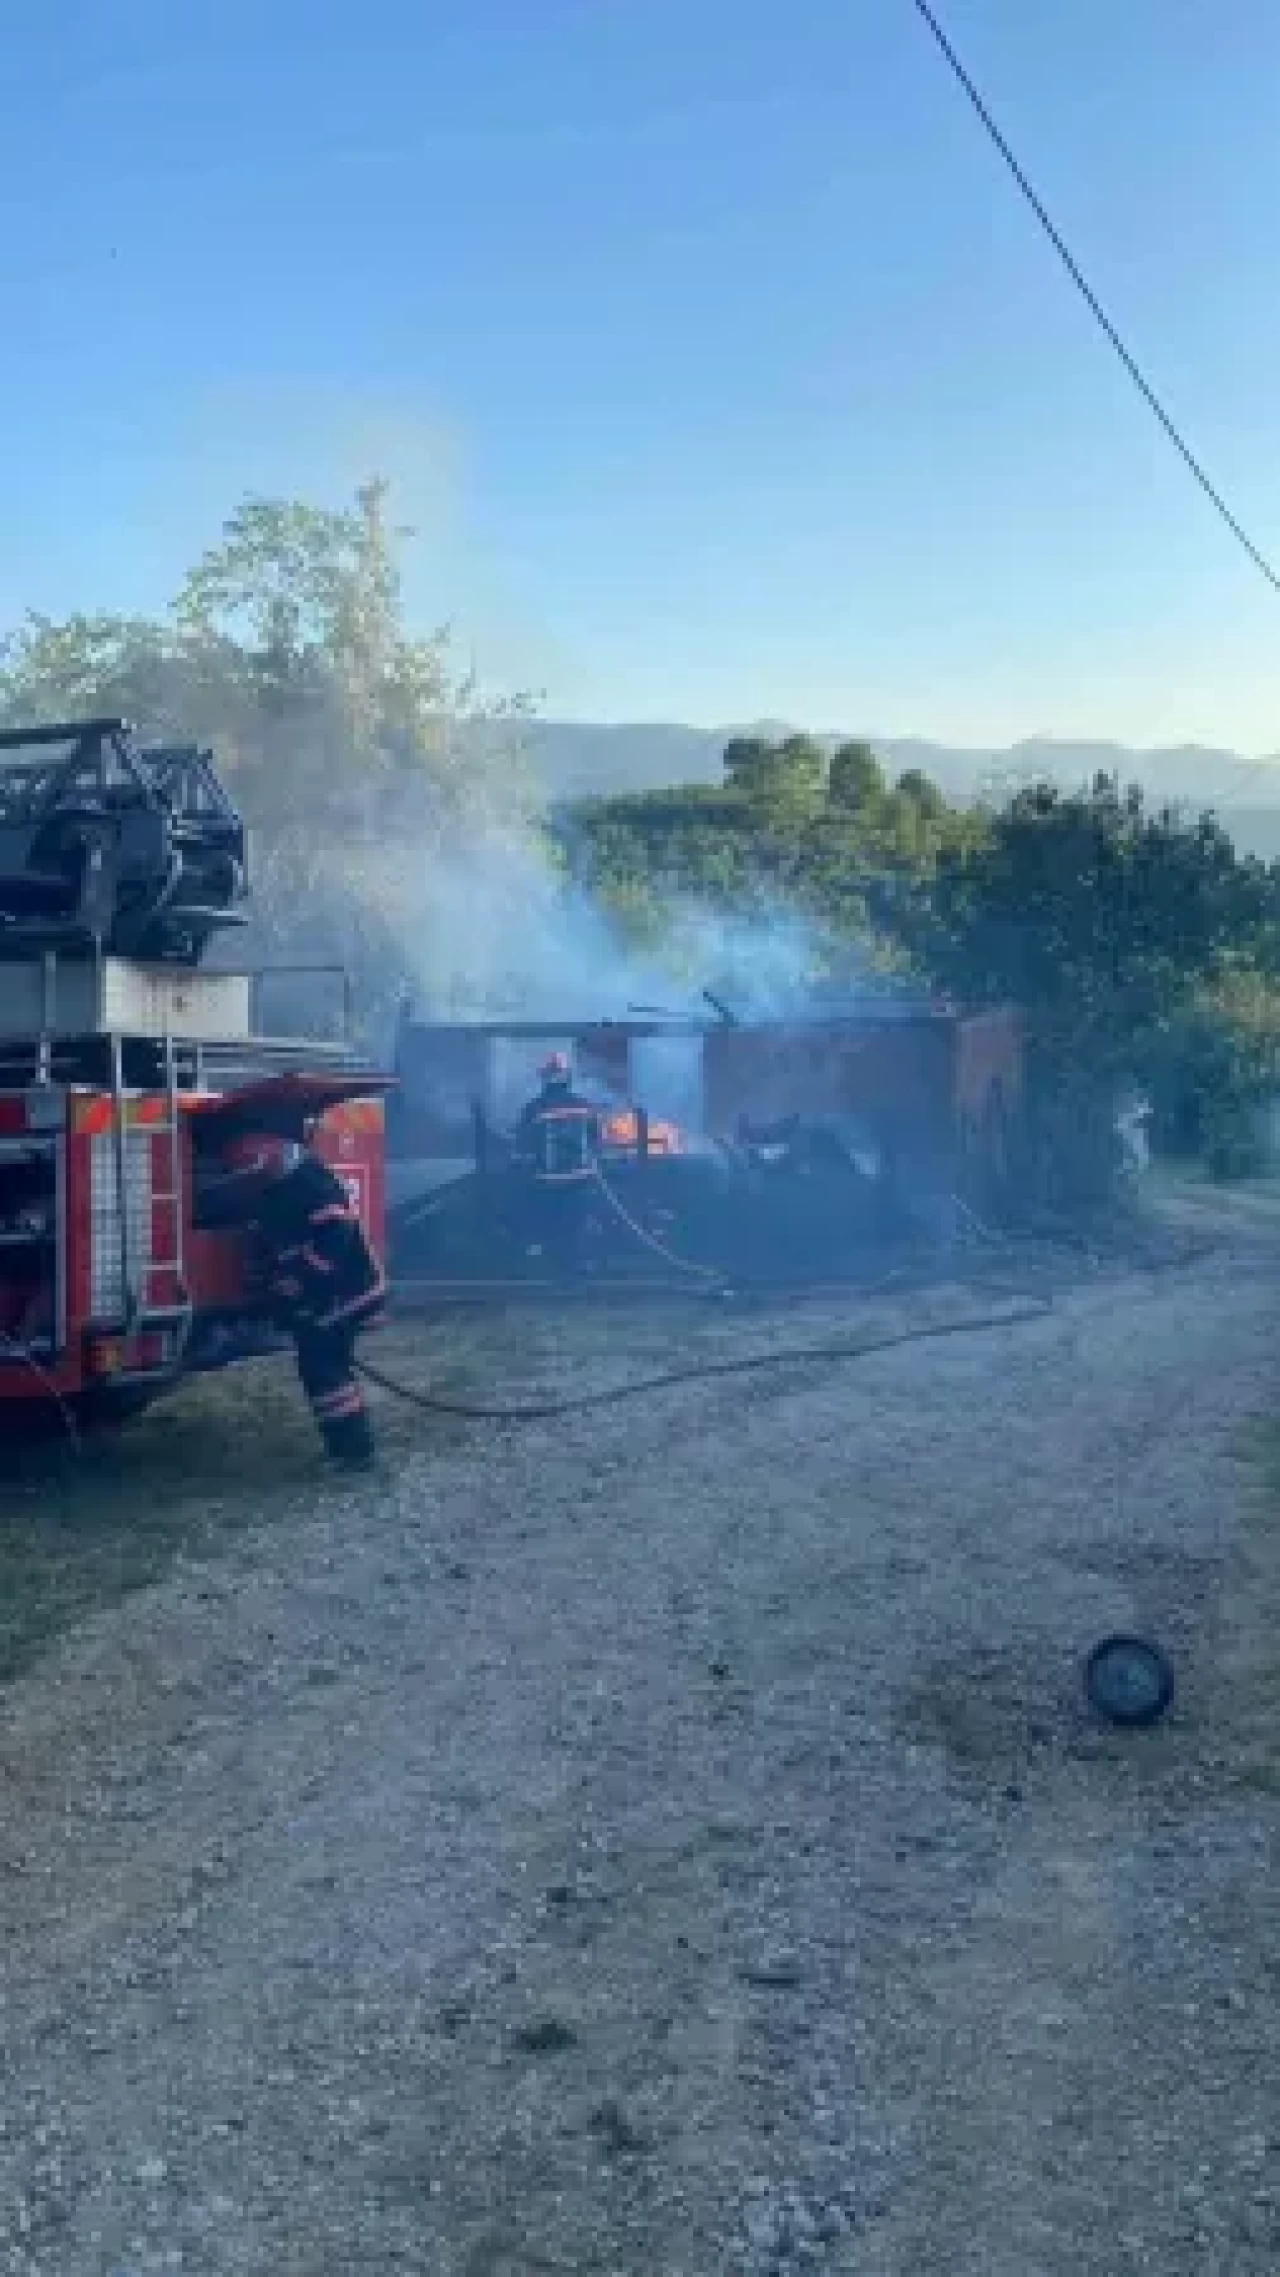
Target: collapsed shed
936, 1092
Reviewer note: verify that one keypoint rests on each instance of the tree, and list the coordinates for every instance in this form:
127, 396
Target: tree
105, 664
1101, 920
748, 763
305, 605
785, 779
355, 747
1094, 913
768, 845
277, 585
857, 781
286, 647
924, 795
1213, 1070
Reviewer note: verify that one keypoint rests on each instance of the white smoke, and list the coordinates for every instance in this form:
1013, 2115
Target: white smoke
495, 933
666, 1073
492, 930
484, 926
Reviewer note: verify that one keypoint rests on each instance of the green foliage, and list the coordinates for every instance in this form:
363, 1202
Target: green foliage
1115, 928
354, 748
923, 795
785, 833
1137, 941
1097, 915
857, 782
1213, 1070
85, 664
782, 782
286, 646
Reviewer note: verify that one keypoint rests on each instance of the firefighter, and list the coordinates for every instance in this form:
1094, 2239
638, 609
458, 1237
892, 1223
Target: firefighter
558, 1134
557, 1144
323, 1282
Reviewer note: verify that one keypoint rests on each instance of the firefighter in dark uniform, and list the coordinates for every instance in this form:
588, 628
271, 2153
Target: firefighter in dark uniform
557, 1144
323, 1283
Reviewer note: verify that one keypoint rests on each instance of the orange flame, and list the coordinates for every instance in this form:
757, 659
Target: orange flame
622, 1130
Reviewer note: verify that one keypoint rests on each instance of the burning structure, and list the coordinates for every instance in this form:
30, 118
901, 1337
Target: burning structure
886, 1113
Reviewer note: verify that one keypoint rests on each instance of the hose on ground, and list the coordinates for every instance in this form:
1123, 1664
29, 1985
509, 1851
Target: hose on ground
26, 1358
709, 1273
799, 1355
417, 1215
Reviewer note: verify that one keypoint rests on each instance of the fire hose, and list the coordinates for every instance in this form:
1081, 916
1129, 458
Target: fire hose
1033, 1307
650, 1240
744, 1363
23, 1354
1128, 1678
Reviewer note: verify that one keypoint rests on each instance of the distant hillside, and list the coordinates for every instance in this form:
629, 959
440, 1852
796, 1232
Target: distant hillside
1255, 829
575, 759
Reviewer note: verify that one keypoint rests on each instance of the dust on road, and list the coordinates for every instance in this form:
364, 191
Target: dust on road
670, 1840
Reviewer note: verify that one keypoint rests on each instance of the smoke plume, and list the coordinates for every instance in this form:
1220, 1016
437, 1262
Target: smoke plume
493, 930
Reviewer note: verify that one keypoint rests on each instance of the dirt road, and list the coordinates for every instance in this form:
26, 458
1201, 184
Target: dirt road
671, 1842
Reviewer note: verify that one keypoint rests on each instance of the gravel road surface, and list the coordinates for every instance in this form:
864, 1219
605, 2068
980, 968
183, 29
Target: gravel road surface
670, 1842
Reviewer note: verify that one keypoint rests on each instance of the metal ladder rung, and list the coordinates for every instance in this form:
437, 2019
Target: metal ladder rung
150, 1266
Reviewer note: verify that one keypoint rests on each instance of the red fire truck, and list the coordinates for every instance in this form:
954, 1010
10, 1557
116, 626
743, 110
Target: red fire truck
124, 1066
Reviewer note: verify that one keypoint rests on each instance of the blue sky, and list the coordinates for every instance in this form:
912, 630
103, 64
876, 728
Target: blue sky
711, 350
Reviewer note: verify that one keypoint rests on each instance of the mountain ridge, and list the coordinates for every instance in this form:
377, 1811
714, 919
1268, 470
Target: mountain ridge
581, 758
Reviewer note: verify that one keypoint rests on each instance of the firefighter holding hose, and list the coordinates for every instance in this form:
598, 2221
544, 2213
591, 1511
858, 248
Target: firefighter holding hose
322, 1282
558, 1145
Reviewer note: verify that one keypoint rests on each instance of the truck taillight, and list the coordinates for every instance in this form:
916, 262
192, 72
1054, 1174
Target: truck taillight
106, 1356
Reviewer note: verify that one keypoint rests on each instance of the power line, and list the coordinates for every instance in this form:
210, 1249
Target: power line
1094, 305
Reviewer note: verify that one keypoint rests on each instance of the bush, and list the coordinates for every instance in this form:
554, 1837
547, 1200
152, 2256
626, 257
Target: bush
1211, 1073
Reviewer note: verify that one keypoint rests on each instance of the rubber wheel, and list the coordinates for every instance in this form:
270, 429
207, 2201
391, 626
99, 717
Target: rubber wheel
1128, 1680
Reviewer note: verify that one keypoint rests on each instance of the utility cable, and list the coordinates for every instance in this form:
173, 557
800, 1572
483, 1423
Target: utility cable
1091, 300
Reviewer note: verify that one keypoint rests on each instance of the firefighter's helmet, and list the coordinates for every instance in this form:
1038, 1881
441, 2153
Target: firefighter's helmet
555, 1068
259, 1154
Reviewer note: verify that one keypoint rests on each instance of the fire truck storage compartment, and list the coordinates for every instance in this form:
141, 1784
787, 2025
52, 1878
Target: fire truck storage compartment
65, 995
32, 1241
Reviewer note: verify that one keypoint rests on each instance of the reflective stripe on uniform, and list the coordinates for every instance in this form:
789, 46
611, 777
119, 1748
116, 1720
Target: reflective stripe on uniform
342, 1410
551, 1123
348, 1399
366, 1299
369, 1302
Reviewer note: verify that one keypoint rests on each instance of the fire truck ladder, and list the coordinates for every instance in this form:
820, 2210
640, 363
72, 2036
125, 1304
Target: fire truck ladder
167, 1200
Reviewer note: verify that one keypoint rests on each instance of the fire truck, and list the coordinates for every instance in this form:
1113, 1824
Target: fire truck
125, 1065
